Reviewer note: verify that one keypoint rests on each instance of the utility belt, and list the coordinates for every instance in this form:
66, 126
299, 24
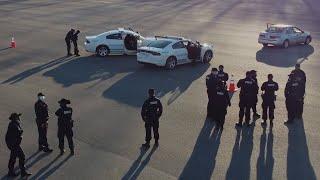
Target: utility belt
269, 97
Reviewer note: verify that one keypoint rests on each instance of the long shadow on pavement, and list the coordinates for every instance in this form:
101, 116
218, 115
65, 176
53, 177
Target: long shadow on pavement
239, 167
202, 161
27, 73
138, 165
265, 162
298, 161
276, 56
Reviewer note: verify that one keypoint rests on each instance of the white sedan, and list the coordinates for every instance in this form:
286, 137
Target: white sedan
169, 51
115, 42
283, 35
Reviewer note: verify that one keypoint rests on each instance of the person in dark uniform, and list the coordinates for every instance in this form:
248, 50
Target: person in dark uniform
68, 41
294, 93
301, 77
221, 102
150, 113
65, 125
254, 107
247, 98
42, 117
268, 97
74, 39
13, 141
223, 76
211, 83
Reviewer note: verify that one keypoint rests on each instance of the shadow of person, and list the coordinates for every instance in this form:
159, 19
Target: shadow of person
132, 89
86, 69
298, 161
276, 56
138, 165
202, 161
239, 167
3, 49
27, 73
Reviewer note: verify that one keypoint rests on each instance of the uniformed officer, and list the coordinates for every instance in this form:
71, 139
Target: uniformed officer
68, 40
294, 93
221, 101
299, 73
254, 107
150, 113
247, 95
74, 39
211, 83
301, 77
223, 76
42, 117
13, 141
268, 97
65, 125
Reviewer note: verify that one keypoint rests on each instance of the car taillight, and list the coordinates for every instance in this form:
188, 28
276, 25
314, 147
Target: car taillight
261, 35
87, 41
274, 37
155, 53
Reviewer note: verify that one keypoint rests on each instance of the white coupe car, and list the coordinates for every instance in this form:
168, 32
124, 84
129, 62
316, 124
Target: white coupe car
169, 51
283, 35
115, 42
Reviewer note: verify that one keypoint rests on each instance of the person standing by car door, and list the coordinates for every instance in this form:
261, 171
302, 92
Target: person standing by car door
75, 43
68, 41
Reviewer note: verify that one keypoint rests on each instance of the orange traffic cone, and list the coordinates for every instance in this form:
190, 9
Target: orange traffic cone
13, 43
232, 88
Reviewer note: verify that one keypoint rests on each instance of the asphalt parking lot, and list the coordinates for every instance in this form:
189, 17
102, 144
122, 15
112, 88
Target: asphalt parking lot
107, 93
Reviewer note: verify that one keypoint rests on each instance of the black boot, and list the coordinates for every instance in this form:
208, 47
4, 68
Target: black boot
156, 143
72, 152
12, 174
25, 174
62, 152
146, 145
47, 150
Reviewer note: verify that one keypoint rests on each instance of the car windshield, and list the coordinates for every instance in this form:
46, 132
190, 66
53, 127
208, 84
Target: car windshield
159, 44
275, 29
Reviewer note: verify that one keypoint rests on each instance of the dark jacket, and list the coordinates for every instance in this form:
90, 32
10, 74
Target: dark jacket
69, 36
221, 99
249, 88
64, 117
300, 73
269, 88
294, 90
223, 76
75, 36
151, 110
14, 134
41, 110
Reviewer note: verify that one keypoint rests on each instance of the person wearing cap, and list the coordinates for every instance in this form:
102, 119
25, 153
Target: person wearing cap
65, 125
294, 93
268, 98
211, 83
68, 41
254, 107
247, 98
221, 101
151, 112
13, 141
301, 77
42, 117
74, 40
223, 76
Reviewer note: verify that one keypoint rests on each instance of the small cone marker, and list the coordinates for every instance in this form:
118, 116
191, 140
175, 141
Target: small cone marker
13, 43
232, 88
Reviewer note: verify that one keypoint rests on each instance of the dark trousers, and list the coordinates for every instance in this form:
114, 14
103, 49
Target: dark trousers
42, 139
268, 108
68, 46
300, 104
292, 108
219, 115
155, 127
16, 152
244, 111
76, 50
62, 132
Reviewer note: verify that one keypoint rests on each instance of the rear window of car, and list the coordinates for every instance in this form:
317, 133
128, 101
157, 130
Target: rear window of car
275, 30
159, 44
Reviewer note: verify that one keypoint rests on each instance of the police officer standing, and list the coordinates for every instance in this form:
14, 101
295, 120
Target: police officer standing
268, 97
254, 107
74, 39
150, 113
247, 98
68, 40
13, 141
65, 125
294, 93
299, 73
221, 102
301, 77
42, 116
211, 83
223, 76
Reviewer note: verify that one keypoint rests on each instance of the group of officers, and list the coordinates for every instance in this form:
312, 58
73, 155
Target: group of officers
14, 133
218, 102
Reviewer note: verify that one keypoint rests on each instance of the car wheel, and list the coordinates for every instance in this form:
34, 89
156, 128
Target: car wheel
285, 44
207, 57
308, 40
102, 51
265, 45
171, 63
